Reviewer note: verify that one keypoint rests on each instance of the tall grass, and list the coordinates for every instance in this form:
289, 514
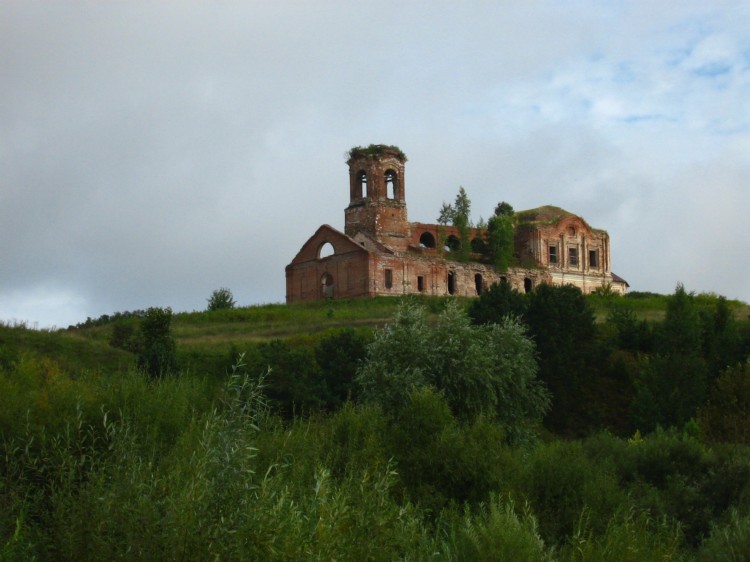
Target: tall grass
121, 467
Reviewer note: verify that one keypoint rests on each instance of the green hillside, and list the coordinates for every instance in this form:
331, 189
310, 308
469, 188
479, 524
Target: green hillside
591, 428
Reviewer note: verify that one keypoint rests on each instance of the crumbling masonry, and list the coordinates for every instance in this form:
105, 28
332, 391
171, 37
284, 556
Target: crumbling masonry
381, 253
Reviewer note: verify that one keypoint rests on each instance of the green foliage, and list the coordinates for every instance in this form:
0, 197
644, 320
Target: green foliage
125, 336
726, 416
156, 354
294, 385
441, 461
397, 359
669, 391
338, 356
100, 467
485, 370
722, 343
632, 334
728, 542
458, 215
69, 350
497, 302
495, 533
561, 483
629, 537
501, 237
220, 299
562, 323
99, 462
681, 330
375, 150
673, 384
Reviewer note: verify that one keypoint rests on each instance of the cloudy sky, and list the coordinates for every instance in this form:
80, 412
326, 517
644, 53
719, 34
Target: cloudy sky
153, 151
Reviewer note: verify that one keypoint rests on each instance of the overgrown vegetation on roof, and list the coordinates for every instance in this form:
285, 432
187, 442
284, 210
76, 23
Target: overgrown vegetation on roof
548, 214
374, 150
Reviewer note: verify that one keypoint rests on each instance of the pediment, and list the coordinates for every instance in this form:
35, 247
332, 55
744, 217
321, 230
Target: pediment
341, 243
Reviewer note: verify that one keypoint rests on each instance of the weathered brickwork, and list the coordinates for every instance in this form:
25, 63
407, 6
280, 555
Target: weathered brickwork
381, 253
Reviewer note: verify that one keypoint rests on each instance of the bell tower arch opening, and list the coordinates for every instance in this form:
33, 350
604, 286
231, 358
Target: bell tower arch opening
377, 202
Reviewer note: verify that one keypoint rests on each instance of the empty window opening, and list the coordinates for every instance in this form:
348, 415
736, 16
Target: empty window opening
420, 283
326, 249
553, 255
361, 184
527, 285
478, 283
573, 257
478, 246
594, 259
427, 240
452, 243
388, 278
326, 285
390, 184
451, 283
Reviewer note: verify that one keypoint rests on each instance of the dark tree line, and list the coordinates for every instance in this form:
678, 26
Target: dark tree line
624, 374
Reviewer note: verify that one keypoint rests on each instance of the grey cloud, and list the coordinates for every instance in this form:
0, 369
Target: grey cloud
153, 152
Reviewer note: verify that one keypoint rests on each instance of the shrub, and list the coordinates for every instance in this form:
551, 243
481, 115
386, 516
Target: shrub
479, 370
726, 417
728, 542
632, 537
220, 299
562, 484
157, 349
495, 533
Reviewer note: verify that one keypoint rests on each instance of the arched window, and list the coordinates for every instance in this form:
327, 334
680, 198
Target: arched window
528, 285
427, 240
478, 283
390, 184
326, 249
326, 286
478, 245
361, 185
388, 278
452, 243
451, 282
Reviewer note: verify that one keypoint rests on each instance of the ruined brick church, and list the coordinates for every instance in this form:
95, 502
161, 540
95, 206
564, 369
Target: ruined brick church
381, 253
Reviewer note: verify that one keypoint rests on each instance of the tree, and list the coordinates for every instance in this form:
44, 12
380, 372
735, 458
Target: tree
726, 417
485, 370
504, 209
220, 299
157, 350
561, 321
681, 330
499, 301
338, 355
674, 383
458, 216
721, 338
501, 237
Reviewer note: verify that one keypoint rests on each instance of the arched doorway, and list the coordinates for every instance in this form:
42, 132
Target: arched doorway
451, 283
326, 286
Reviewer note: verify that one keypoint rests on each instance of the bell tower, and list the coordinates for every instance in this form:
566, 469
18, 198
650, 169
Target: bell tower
377, 196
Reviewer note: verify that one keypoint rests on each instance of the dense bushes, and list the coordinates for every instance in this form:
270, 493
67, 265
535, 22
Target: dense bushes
310, 461
173, 468
479, 370
232, 482
626, 374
